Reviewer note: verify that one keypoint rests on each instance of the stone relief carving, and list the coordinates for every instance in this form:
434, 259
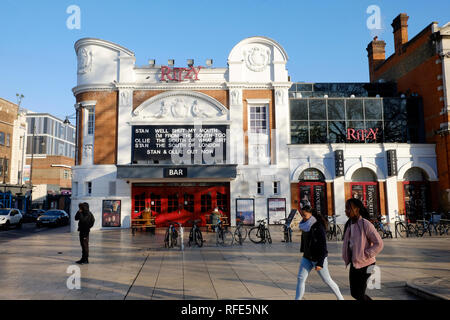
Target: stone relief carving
180, 108
125, 97
235, 97
162, 111
84, 61
257, 59
279, 96
87, 152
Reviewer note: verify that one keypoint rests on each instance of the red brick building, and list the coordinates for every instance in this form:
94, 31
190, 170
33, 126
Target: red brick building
421, 66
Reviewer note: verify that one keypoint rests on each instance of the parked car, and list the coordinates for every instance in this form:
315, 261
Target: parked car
31, 216
10, 217
53, 217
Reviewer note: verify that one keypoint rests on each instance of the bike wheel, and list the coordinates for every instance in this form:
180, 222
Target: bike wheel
237, 236
227, 237
198, 238
413, 230
401, 230
268, 237
329, 234
339, 234
254, 235
244, 233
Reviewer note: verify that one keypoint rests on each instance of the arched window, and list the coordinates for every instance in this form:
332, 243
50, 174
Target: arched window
416, 193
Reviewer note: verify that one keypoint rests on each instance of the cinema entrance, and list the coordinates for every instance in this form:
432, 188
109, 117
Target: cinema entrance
180, 202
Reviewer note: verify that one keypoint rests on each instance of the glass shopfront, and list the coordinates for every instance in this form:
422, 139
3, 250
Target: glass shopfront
339, 118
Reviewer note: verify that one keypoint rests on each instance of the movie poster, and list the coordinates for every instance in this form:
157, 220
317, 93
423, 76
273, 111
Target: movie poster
276, 210
111, 213
245, 211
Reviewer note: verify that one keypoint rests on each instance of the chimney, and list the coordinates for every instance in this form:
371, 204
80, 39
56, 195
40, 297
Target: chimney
376, 54
400, 26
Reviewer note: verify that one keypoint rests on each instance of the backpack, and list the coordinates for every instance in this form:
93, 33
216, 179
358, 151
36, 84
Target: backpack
91, 220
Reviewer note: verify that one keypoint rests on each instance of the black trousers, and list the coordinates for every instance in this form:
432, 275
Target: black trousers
358, 283
84, 242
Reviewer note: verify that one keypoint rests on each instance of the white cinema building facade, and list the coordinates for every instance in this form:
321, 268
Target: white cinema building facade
184, 140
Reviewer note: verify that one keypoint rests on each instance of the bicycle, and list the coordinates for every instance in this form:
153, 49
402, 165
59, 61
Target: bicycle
170, 239
382, 228
404, 229
287, 231
260, 233
195, 235
240, 234
334, 232
223, 235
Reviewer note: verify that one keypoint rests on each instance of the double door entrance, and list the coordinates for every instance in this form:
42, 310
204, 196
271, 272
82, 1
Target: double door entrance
313, 194
180, 202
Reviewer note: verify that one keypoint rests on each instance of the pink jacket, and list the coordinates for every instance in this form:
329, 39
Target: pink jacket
367, 244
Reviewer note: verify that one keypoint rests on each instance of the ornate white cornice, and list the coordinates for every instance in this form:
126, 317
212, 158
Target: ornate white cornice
93, 87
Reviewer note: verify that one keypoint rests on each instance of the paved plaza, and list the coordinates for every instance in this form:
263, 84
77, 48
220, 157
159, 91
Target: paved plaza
34, 264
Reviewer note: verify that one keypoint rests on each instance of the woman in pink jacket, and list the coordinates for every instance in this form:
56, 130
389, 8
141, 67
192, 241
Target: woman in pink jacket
360, 246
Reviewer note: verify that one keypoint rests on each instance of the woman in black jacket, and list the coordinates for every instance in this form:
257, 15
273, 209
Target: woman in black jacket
86, 221
314, 248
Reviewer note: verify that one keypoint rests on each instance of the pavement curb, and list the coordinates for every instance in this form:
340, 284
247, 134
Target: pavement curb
423, 292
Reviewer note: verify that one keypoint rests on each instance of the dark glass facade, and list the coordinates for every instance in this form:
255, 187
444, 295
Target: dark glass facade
362, 118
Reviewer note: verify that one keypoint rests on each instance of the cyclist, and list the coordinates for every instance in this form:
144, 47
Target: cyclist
314, 248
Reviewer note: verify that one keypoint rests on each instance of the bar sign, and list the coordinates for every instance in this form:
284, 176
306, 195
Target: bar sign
175, 172
391, 156
339, 162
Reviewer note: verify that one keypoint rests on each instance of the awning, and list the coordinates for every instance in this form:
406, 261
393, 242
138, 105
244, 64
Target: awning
156, 171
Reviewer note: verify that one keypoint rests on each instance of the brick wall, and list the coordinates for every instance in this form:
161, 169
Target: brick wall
8, 114
105, 135
45, 173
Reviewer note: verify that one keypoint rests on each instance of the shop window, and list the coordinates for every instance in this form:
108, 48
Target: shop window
260, 188
317, 109
188, 202
299, 109
373, 109
354, 109
336, 109
172, 203
299, 132
318, 132
336, 132
155, 203
206, 203
139, 202
222, 202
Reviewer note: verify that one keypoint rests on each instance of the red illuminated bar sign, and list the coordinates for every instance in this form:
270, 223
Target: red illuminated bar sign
179, 74
361, 134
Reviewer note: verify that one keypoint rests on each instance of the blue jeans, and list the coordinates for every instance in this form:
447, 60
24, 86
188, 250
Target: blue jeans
306, 266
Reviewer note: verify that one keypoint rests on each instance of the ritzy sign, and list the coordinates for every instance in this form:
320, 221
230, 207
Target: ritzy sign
179, 74
362, 134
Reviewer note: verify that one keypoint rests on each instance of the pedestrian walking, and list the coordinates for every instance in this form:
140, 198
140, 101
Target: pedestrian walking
360, 246
314, 248
86, 221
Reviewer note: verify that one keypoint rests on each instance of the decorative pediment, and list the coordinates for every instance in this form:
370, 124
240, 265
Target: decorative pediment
181, 106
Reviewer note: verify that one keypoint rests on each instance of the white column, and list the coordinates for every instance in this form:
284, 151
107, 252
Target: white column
339, 199
124, 143
391, 199
236, 137
282, 125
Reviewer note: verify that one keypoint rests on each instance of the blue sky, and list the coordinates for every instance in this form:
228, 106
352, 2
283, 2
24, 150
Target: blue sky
325, 40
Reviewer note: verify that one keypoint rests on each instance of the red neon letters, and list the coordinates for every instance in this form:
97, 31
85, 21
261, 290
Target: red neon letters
361, 135
179, 74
